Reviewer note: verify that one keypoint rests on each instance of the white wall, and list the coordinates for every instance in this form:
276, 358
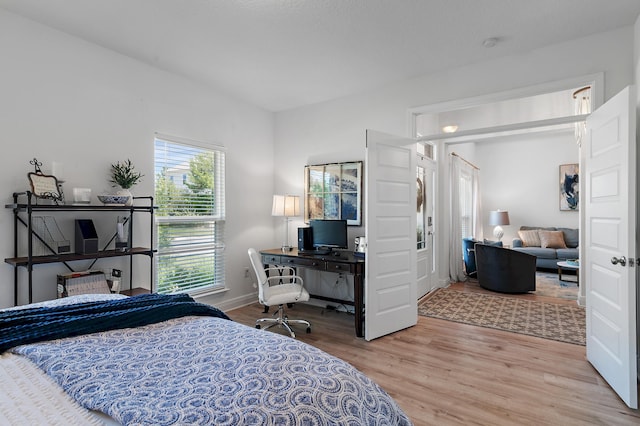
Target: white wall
73, 102
335, 130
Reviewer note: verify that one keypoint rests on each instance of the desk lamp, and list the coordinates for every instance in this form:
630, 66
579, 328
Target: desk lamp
287, 206
498, 218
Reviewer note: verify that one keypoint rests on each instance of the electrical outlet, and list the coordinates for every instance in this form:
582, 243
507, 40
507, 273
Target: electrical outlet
246, 272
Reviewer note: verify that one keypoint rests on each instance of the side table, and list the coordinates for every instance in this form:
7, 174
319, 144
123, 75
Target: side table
571, 267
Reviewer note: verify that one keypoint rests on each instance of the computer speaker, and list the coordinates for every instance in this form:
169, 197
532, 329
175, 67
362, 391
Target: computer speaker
305, 239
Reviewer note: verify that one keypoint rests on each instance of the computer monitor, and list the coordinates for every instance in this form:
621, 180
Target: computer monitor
329, 234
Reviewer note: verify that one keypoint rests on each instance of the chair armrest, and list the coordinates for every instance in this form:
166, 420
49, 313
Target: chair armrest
516, 242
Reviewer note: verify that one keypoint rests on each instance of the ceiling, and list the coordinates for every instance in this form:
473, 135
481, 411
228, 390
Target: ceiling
283, 54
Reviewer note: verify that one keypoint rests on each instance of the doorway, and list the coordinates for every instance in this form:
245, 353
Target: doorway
426, 174
519, 114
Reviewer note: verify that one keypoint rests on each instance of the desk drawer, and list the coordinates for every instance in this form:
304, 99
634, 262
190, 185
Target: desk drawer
297, 261
271, 259
339, 267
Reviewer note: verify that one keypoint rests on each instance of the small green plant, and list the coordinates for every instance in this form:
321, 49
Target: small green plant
124, 174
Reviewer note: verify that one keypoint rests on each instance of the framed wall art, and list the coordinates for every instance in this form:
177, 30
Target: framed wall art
333, 191
569, 187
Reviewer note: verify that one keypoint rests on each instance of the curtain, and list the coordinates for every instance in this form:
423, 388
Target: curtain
466, 213
456, 272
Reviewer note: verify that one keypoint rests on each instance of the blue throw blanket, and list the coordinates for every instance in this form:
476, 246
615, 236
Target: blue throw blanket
31, 325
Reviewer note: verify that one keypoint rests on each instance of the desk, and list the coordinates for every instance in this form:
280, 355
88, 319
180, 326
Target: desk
346, 263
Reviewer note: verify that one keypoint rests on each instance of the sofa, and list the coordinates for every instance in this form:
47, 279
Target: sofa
550, 245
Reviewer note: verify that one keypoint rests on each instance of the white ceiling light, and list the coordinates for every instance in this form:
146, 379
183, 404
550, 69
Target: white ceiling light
490, 42
450, 128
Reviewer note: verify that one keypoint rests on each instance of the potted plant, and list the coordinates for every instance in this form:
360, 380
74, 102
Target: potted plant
125, 176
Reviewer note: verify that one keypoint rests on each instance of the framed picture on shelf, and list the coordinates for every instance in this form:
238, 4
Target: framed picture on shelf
45, 186
333, 191
569, 187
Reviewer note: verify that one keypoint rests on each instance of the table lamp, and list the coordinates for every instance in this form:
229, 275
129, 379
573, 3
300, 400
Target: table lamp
287, 206
498, 218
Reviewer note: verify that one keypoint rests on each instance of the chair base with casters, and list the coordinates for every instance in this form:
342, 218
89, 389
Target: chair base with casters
283, 321
278, 287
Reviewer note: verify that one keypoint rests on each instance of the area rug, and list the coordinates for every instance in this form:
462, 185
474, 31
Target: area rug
548, 284
561, 322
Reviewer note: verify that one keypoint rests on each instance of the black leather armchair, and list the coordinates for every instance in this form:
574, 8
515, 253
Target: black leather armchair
505, 270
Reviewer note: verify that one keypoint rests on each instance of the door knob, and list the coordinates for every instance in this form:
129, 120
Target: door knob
622, 261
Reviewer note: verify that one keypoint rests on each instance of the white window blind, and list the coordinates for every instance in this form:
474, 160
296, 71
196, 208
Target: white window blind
466, 205
189, 193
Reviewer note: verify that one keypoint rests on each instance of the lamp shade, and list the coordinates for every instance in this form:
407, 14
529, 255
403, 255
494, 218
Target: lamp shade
499, 217
286, 205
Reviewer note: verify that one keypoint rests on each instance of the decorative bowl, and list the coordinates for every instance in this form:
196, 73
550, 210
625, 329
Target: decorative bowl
573, 262
117, 200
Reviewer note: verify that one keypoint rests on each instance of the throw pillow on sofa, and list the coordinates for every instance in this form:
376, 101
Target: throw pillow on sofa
552, 239
492, 243
530, 238
571, 237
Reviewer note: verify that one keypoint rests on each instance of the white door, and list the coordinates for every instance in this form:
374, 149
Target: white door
390, 225
610, 229
425, 218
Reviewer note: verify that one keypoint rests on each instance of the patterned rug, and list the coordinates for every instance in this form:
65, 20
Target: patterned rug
565, 323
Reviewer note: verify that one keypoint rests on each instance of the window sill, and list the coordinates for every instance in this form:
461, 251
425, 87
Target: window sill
207, 292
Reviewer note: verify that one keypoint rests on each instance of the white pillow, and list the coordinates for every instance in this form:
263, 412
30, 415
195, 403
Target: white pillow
530, 238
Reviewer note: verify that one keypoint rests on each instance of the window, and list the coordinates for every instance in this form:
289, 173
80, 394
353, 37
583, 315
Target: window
466, 204
190, 195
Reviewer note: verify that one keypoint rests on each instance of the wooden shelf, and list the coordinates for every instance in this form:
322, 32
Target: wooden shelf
68, 257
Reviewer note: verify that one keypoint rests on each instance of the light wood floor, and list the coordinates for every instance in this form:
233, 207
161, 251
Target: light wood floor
445, 373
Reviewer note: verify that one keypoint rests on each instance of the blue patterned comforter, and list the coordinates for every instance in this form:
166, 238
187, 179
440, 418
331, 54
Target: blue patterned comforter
42, 323
211, 371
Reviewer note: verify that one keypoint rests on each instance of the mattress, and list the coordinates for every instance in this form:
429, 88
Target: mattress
206, 370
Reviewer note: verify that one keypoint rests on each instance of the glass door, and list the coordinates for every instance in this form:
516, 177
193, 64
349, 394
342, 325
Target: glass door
425, 223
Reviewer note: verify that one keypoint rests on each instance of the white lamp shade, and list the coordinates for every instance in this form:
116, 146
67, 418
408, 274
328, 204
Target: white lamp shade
286, 205
499, 218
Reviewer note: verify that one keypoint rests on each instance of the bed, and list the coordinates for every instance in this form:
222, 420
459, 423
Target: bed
141, 366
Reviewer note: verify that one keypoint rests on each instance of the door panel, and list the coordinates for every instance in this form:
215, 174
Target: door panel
390, 289
610, 218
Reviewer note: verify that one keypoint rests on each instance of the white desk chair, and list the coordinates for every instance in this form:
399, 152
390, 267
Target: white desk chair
278, 290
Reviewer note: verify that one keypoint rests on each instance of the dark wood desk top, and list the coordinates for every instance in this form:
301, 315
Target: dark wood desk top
335, 256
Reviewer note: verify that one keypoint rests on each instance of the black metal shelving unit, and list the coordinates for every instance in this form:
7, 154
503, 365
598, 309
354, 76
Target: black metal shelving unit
22, 218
